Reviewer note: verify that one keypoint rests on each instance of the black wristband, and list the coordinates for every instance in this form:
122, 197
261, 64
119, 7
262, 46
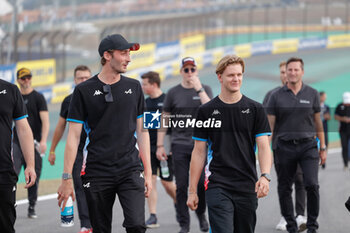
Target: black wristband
200, 90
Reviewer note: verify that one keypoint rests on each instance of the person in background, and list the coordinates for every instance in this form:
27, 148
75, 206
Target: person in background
300, 194
38, 118
154, 103
325, 117
81, 74
342, 114
183, 100
294, 116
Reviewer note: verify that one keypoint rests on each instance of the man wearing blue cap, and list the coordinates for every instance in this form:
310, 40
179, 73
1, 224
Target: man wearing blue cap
109, 106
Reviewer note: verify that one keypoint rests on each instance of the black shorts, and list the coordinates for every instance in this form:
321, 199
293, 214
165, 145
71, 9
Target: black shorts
155, 163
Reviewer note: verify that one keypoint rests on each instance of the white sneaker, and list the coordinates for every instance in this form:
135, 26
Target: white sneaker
301, 222
282, 225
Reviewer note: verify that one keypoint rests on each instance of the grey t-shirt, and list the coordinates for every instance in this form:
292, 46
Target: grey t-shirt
182, 104
294, 113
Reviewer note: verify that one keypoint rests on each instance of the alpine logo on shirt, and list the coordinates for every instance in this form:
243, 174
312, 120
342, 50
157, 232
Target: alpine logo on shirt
128, 91
98, 92
247, 111
3, 92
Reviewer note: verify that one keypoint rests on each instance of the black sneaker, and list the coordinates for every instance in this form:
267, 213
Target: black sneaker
152, 221
203, 223
31, 212
184, 230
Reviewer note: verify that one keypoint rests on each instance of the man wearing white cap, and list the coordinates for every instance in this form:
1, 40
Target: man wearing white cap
342, 114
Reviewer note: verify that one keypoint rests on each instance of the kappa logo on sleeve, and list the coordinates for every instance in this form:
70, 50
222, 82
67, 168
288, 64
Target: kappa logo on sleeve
3, 92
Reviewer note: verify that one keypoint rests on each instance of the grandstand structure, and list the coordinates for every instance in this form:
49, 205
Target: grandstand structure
69, 31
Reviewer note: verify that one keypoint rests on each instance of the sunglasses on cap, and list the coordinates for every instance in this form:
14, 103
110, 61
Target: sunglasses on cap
108, 97
187, 70
26, 77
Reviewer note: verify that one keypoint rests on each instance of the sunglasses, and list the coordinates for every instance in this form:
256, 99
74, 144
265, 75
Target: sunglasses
26, 77
108, 97
187, 70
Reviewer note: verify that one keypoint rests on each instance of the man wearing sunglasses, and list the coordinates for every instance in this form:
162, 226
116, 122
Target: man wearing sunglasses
110, 106
81, 74
38, 118
184, 100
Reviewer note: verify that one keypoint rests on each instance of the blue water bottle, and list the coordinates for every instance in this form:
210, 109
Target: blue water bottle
67, 216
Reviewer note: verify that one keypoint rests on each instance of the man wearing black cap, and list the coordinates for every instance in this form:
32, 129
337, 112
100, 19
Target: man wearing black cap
182, 101
39, 123
12, 109
110, 107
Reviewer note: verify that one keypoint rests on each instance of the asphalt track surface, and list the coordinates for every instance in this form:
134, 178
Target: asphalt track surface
333, 218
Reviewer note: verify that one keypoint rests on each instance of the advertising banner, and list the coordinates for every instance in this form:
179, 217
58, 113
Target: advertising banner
43, 71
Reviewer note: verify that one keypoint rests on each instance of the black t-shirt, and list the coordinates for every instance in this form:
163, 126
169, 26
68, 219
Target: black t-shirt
343, 110
35, 103
231, 162
11, 108
64, 114
294, 113
110, 126
153, 105
183, 103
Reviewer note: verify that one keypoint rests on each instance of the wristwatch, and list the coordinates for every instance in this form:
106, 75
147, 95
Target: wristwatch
66, 176
267, 176
323, 148
200, 90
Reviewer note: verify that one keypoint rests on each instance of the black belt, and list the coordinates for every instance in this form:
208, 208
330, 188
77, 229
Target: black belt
299, 141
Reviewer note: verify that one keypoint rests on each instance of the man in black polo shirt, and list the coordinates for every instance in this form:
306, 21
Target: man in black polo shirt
154, 103
294, 115
342, 114
182, 101
81, 74
12, 109
231, 177
38, 118
300, 194
110, 107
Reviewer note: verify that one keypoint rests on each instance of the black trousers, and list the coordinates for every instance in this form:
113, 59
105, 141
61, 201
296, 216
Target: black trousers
7, 208
100, 195
83, 209
289, 155
182, 159
231, 211
19, 161
300, 193
344, 139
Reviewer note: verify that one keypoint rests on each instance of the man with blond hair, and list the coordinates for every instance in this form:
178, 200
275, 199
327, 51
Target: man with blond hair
232, 184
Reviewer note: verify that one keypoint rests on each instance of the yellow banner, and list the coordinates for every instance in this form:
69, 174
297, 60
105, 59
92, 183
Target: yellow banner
338, 41
43, 71
160, 71
59, 92
217, 55
192, 45
285, 46
144, 57
244, 50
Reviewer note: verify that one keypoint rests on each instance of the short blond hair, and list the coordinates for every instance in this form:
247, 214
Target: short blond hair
228, 60
283, 63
